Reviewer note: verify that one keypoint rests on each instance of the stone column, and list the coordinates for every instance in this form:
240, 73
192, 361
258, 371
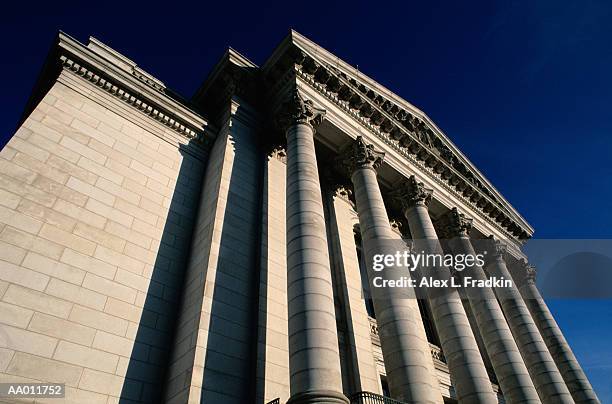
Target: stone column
408, 363
314, 359
466, 367
575, 379
511, 372
540, 364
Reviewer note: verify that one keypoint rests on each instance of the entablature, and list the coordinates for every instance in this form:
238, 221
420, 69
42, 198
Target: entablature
118, 76
401, 128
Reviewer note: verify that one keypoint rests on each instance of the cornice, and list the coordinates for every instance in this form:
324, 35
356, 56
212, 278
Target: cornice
233, 77
398, 106
423, 169
415, 138
121, 78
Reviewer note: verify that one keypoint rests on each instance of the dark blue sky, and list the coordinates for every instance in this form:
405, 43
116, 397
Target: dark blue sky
523, 88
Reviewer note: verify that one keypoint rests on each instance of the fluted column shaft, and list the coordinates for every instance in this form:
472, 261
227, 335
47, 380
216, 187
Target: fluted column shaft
408, 362
575, 378
540, 364
314, 360
465, 363
501, 347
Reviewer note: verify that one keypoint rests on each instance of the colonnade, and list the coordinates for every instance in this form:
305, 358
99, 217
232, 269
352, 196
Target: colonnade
530, 357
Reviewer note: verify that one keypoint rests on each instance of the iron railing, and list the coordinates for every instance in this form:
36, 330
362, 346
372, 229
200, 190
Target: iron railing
364, 397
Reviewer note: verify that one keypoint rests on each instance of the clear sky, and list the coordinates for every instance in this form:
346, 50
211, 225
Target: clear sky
523, 88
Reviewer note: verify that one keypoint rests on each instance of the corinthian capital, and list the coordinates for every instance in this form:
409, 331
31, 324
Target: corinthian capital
530, 274
498, 249
360, 155
298, 110
456, 224
412, 193
494, 249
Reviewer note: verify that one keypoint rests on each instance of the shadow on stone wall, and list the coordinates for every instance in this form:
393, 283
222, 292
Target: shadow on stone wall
229, 365
262, 309
148, 363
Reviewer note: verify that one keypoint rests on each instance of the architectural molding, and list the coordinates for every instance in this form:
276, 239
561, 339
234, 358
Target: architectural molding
495, 250
411, 193
279, 153
407, 129
530, 274
297, 110
118, 76
360, 154
455, 224
134, 100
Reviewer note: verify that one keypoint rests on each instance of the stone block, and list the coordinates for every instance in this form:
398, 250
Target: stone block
29, 149
54, 148
88, 263
67, 239
119, 260
53, 268
99, 236
9, 199
19, 221
113, 343
37, 301
101, 382
83, 150
123, 310
109, 212
30, 242
26, 341
109, 288
76, 294
121, 192
72, 169
43, 369
91, 191
46, 215
62, 329
14, 315
85, 356
98, 320
21, 276
11, 253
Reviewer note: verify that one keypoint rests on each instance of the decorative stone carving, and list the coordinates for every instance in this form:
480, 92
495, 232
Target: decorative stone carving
457, 224
412, 193
495, 250
345, 194
116, 89
279, 153
396, 225
530, 274
298, 110
359, 154
406, 132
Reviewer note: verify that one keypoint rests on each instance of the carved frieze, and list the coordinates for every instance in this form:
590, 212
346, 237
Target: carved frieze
136, 100
405, 131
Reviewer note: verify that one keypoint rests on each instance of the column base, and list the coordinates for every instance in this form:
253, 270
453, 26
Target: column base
318, 397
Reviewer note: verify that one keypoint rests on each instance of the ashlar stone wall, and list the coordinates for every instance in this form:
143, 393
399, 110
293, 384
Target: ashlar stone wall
96, 206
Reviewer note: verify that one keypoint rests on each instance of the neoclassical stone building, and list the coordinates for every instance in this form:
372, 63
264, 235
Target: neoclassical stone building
213, 250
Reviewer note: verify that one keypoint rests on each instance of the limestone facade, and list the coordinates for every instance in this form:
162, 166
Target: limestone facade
212, 250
